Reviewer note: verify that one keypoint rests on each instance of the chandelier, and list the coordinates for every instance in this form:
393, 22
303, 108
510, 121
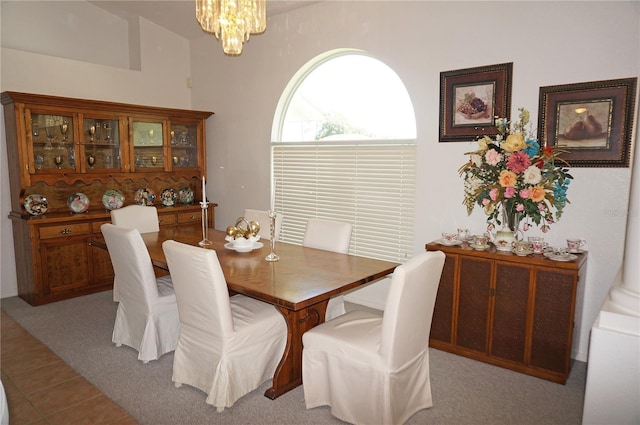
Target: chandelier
232, 21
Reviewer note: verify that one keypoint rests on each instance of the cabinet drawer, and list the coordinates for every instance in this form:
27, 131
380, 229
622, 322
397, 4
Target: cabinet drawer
166, 219
189, 217
95, 226
48, 232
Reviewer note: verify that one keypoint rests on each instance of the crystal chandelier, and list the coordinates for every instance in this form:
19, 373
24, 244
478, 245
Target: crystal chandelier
232, 21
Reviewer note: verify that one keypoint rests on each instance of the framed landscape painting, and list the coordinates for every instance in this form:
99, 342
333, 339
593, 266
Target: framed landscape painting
592, 122
471, 98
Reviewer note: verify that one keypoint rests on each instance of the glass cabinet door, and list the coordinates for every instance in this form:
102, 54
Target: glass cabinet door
101, 143
148, 146
184, 145
52, 139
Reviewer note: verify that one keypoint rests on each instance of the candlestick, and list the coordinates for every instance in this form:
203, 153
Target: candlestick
204, 191
272, 255
204, 206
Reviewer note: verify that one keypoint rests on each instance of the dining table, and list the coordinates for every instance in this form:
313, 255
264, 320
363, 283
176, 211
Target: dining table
299, 284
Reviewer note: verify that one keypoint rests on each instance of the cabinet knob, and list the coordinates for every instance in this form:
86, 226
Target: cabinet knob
65, 231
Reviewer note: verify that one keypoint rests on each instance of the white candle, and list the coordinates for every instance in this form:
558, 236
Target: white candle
204, 196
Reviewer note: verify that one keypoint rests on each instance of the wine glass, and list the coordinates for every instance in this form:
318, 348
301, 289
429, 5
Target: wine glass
58, 160
98, 125
39, 160
92, 132
64, 128
49, 130
107, 161
107, 132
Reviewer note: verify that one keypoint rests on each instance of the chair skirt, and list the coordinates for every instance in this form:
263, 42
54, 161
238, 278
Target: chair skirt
152, 333
228, 367
342, 369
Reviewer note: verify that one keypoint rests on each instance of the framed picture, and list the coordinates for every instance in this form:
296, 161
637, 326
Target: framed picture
592, 122
470, 100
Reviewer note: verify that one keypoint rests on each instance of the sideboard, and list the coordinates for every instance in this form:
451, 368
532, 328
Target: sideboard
514, 312
61, 149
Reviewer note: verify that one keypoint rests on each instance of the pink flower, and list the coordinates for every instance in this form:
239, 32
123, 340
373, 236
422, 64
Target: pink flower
544, 228
542, 206
525, 226
509, 192
524, 193
485, 201
493, 157
493, 194
490, 227
519, 207
518, 162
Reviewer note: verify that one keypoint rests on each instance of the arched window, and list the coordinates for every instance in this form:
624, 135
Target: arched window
343, 148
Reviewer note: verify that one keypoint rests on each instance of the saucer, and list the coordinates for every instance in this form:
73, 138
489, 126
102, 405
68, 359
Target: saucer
561, 257
256, 245
575, 251
478, 247
449, 243
523, 253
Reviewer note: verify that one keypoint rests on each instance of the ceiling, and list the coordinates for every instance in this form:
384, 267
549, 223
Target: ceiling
179, 16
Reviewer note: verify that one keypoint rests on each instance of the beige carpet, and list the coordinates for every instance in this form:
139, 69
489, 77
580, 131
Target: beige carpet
464, 391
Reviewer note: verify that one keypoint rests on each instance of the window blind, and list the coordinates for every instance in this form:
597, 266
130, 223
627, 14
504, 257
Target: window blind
371, 185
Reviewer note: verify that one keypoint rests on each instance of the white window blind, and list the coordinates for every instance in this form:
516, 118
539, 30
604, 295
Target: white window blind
369, 184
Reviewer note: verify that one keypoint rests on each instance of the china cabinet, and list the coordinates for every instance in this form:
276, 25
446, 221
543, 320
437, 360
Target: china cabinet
71, 161
516, 312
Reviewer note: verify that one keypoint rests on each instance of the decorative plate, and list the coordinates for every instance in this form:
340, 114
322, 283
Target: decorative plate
231, 246
144, 196
112, 199
78, 202
479, 247
559, 256
185, 195
36, 204
168, 197
452, 242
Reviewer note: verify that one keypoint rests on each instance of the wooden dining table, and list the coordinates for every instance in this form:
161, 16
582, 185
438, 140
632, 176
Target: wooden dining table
299, 284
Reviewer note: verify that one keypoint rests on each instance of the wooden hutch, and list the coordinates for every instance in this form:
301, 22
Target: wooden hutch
58, 147
514, 312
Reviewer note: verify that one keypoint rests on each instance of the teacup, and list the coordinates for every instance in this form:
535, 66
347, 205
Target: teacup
463, 234
521, 247
481, 240
448, 237
574, 245
537, 244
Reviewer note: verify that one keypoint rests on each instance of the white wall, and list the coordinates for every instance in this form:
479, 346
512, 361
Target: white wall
548, 42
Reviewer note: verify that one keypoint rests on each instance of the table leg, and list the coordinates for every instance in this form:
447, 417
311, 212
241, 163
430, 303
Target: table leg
288, 374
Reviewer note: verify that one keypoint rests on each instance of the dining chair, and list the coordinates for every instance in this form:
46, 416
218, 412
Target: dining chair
333, 236
228, 346
262, 217
147, 316
141, 217
371, 368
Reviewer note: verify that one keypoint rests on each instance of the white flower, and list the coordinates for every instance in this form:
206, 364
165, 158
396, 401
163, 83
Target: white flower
476, 160
532, 175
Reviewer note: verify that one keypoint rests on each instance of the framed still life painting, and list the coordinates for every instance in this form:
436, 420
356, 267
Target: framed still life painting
471, 98
591, 122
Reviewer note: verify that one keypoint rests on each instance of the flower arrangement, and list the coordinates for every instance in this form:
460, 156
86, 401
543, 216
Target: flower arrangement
513, 179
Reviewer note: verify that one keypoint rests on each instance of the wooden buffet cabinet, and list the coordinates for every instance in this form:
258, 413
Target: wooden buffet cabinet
514, 312
58, 147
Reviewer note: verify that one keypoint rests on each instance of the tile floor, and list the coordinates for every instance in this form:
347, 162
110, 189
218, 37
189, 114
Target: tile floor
42, 390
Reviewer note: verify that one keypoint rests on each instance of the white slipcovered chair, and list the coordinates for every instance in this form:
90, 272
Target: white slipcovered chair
228, 346
372, 369
140, 217
147, 316
262, 217
330, 236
